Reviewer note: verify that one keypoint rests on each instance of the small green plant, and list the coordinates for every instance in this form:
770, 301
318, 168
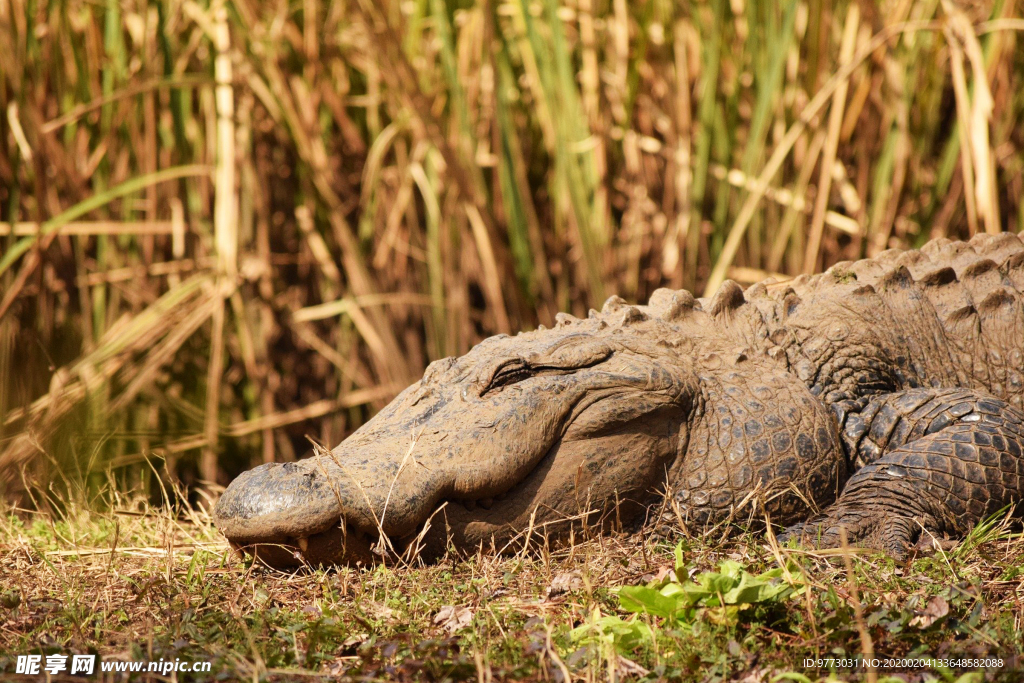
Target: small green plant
993, 527
720, 597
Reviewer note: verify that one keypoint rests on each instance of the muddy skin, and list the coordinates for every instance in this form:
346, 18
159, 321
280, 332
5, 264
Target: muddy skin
886, 393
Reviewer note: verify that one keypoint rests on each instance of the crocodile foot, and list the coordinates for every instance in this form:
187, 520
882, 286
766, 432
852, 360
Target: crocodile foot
893, 533
941, 484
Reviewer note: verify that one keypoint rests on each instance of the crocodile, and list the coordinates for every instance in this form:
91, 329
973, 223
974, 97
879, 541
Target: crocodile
877, 404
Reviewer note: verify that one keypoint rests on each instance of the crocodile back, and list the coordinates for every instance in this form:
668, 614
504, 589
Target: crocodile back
949, 314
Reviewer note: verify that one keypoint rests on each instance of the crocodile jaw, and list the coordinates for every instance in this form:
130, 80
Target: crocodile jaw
291, 513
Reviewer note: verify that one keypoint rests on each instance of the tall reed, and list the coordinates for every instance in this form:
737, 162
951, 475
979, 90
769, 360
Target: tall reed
232, 225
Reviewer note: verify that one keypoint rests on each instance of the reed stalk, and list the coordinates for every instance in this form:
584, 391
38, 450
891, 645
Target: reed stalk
362, 187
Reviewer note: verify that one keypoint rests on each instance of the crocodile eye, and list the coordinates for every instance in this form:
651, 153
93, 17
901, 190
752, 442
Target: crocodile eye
511, 372
515, 370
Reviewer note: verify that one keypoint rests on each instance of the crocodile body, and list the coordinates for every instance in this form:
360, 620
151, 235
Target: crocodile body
881, 398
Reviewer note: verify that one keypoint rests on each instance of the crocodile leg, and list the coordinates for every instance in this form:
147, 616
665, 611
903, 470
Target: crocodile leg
937, 459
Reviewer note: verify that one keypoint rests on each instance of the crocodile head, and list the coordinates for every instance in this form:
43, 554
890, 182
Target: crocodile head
580, 424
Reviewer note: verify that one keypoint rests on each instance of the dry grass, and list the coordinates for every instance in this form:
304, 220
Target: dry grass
368, 186
137, 583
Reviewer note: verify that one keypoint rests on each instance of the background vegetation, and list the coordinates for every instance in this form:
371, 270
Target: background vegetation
230, 226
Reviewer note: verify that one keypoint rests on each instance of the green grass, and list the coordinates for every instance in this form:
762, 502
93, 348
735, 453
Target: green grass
136, 583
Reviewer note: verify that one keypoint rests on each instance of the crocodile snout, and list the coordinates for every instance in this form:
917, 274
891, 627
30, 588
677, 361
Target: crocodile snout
287, 513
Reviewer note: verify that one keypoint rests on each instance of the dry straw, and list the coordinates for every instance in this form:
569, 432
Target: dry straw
224, 227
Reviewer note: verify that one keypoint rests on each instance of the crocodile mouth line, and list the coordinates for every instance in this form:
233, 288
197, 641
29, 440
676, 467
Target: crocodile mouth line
507, 522
358, 545
344, 541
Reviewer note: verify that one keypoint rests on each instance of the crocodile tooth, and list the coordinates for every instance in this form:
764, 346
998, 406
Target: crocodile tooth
303, 543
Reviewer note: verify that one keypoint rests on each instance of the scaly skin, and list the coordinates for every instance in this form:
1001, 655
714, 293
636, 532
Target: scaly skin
952, 457
905, 371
